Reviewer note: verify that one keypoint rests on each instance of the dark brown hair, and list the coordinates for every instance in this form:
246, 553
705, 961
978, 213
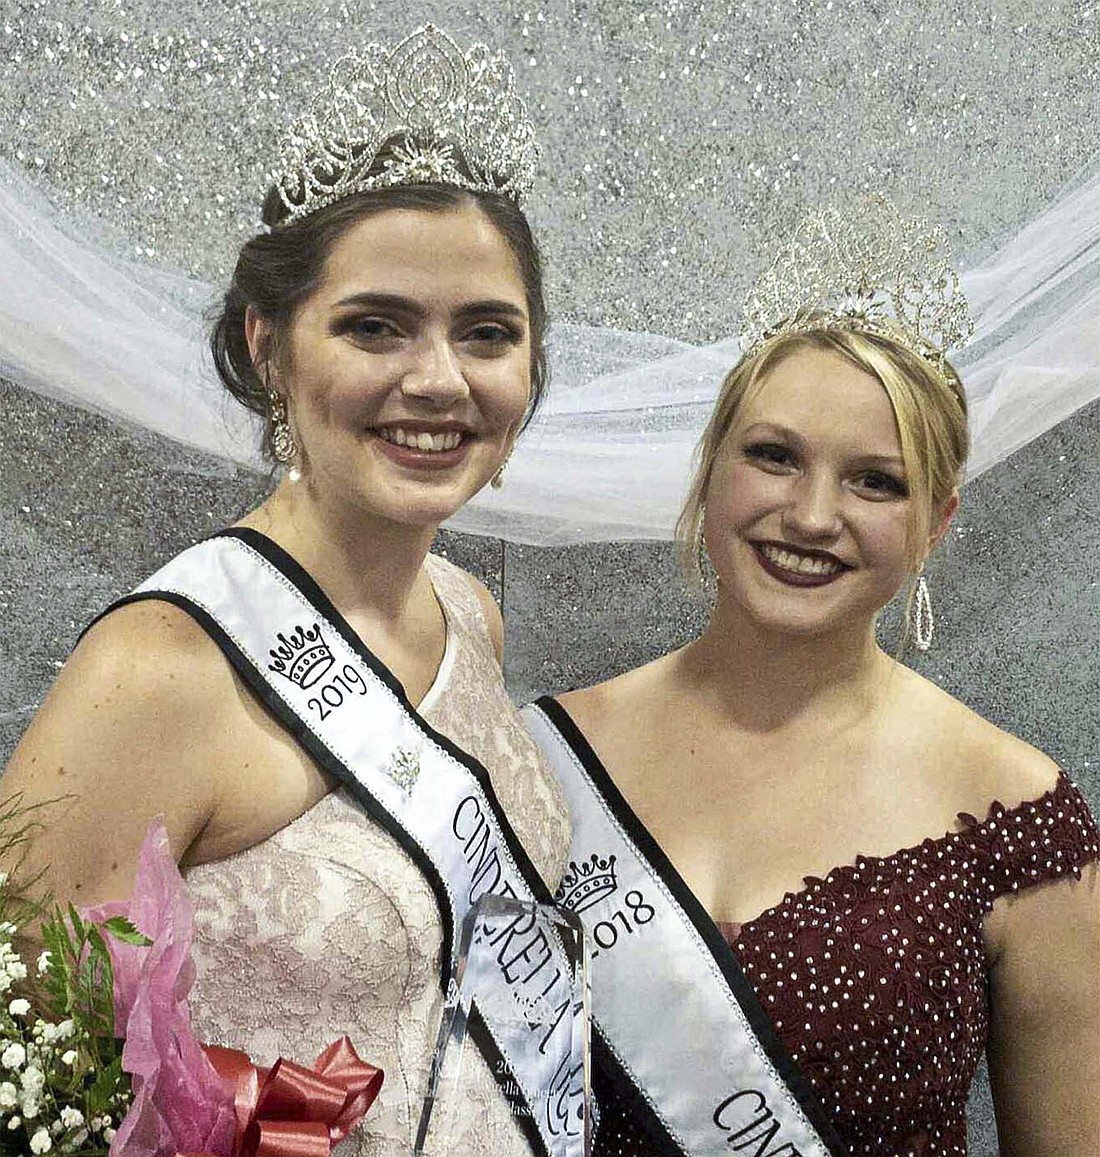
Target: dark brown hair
277, 271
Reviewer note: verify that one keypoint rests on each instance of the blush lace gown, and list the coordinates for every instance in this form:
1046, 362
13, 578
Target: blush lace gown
327, 927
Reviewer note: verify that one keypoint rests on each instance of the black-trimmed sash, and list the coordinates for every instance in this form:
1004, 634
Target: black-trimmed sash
301, 658
711, 1068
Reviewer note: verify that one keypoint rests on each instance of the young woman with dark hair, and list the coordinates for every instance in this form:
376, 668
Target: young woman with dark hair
310, 699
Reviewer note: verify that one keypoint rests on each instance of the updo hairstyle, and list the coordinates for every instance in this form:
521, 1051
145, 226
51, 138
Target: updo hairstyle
278, 270
930, 409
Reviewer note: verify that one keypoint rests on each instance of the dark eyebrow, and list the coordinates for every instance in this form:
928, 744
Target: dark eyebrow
399, 304
493, 308
392, 301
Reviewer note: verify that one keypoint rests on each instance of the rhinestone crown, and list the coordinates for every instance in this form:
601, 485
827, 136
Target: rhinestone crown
868, 269
448, 117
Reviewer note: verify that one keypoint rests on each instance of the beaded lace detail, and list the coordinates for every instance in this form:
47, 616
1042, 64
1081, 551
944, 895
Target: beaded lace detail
329, 928
875, 976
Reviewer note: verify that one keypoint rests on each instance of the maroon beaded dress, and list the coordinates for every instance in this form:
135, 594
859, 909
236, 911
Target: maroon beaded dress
875, 976
874, 979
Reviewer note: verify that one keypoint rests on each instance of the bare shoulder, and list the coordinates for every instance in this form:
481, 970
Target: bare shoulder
144, 656
984, 760
144, 674
123, 735
156, 622
620, 705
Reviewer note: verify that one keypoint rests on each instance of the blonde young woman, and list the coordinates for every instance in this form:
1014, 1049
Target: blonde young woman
310, 698
840, 884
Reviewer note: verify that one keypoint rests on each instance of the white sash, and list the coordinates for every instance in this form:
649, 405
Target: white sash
668, 998
300, 657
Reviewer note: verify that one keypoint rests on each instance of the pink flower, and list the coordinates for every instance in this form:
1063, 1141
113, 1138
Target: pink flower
180, 1103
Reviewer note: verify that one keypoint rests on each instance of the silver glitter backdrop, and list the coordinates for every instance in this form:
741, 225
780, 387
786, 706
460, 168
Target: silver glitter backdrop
679, 138
680, 141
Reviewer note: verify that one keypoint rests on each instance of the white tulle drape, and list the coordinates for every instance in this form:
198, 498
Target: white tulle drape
609, 456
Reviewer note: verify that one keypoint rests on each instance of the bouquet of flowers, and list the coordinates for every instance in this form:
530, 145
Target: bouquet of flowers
102, 1057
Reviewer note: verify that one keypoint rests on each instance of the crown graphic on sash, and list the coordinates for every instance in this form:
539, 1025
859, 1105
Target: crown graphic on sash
303, 656
587, 883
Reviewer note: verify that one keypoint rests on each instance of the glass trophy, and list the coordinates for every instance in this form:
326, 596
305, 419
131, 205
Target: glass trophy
514, 1039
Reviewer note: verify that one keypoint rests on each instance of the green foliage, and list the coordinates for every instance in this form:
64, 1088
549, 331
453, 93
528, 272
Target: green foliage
19, 823
61, 1035
121, 929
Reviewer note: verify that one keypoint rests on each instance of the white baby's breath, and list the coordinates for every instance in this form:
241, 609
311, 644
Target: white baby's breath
61, 1088
33, 1079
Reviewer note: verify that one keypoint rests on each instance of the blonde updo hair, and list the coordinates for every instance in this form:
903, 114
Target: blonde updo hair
929, 406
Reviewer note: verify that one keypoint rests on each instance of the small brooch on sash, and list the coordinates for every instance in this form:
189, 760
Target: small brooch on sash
404, 768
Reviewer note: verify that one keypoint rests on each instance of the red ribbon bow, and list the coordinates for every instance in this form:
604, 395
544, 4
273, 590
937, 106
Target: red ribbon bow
291, 1111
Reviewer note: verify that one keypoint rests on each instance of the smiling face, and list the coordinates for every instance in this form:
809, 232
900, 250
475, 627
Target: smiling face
807, 519
407, 371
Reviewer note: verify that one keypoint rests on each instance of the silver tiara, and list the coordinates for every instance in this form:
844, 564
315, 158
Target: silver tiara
867, 269
449, 118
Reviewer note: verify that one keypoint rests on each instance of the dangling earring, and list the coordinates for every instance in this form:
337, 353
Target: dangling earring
282, 437
921, 620
497, 481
